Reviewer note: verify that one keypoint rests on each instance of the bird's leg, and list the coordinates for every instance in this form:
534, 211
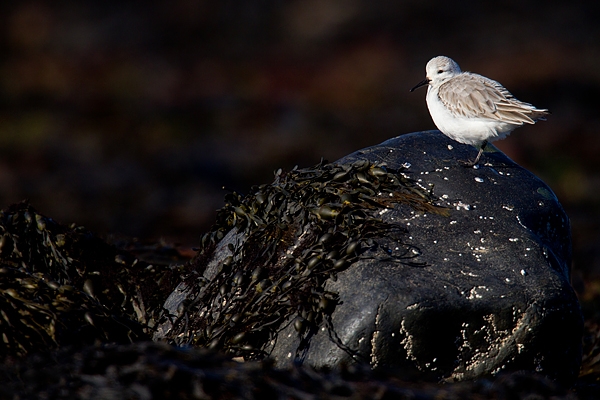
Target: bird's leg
481, 149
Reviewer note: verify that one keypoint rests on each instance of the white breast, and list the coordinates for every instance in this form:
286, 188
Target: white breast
471, 131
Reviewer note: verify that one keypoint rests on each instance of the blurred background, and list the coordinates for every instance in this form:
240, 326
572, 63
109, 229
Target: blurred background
129, 117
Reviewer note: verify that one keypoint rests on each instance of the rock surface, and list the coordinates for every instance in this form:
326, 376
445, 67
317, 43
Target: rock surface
478, 289
493, 293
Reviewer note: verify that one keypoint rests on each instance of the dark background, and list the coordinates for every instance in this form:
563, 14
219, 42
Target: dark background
129, 116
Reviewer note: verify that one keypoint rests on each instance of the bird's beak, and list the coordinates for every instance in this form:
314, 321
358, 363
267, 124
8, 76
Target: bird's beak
422, 83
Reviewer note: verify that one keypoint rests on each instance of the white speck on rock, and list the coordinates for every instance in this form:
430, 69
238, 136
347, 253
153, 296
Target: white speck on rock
460, 205
478, 179
475, 292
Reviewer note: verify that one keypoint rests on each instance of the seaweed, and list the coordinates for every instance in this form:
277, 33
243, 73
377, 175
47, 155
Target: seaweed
64, 285
284, 242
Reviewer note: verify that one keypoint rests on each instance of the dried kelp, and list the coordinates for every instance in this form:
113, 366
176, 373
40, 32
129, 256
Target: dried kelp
294, 235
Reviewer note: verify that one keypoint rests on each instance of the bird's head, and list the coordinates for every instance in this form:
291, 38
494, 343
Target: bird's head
438, 70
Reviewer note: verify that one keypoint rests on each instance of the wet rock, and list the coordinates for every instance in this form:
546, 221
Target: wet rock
493, 292
465, 275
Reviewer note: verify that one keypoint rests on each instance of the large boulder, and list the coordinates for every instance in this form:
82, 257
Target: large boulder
493, 291
415, 262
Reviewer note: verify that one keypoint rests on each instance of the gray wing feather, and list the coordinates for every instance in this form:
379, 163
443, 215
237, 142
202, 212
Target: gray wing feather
475, 96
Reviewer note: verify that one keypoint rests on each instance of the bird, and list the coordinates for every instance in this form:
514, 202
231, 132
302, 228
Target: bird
470, 108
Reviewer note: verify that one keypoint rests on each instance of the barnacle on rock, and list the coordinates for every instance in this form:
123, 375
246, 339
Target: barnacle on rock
284, 241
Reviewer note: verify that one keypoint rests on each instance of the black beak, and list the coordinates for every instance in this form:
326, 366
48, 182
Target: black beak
422, 83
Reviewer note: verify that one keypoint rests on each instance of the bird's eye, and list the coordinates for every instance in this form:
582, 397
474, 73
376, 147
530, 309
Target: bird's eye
440, 71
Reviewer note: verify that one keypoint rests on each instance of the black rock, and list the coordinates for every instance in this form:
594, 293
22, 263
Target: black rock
493, 293
474, 289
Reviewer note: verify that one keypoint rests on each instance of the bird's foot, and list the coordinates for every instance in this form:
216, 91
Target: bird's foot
468, 164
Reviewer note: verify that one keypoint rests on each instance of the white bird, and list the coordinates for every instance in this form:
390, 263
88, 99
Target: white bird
471, 108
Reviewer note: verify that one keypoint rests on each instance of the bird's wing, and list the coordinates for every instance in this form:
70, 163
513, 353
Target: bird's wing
475, 96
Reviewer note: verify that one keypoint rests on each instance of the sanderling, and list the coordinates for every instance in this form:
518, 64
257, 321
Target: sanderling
471, 108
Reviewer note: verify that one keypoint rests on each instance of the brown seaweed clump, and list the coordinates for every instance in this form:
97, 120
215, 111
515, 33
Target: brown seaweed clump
65, 286
281, 244
39, 314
